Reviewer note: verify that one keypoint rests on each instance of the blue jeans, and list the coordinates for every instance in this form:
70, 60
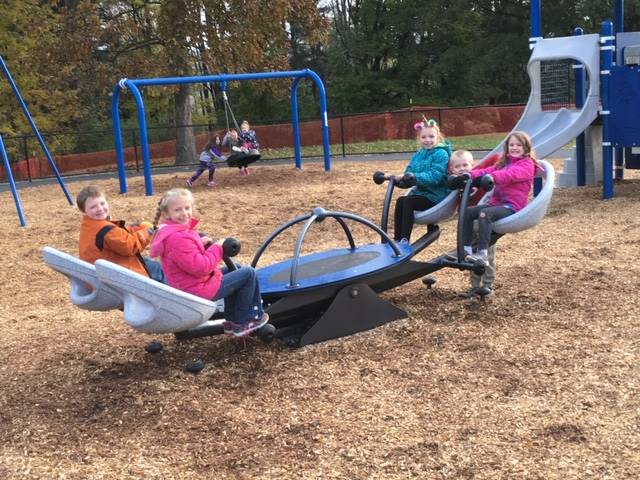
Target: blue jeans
241, 293
155, 270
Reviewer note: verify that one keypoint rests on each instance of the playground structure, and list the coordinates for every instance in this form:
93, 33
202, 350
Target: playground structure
310, 298
36, 132
607, 89
134, 87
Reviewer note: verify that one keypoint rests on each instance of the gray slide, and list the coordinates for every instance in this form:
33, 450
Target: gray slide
551, 130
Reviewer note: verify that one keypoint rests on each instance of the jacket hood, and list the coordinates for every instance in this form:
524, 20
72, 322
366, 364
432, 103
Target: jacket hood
446, 146
165, 230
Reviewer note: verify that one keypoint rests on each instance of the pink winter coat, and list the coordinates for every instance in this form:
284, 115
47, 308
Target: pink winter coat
187, 265
513, 182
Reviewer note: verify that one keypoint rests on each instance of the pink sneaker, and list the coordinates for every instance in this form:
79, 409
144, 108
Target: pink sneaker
246, 171
244, 329
189, 183
211, 183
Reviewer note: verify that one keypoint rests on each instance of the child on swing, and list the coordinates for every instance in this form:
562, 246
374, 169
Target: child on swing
210, 154
190, 263
243, 146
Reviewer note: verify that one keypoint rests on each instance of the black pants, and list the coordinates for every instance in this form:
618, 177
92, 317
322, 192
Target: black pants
242, 160
486, 215
403, 218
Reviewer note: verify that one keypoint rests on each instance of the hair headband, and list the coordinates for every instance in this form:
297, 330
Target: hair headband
425, 123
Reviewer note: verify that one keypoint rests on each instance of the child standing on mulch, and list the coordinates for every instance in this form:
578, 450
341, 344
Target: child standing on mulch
210, 154
429, 165
191, 264
101, 237
462, 162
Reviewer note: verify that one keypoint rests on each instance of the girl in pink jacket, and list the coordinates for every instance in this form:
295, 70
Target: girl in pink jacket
513, 177
190, 263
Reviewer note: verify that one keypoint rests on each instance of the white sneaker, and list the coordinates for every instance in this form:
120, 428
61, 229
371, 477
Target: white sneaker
477, 258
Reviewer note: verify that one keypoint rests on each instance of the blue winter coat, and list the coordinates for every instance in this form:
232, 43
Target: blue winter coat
430, 168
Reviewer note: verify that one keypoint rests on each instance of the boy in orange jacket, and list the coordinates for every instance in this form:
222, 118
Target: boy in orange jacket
101, 237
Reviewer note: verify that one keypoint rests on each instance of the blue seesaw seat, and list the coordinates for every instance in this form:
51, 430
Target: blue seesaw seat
87, 291
330, 267
152, 307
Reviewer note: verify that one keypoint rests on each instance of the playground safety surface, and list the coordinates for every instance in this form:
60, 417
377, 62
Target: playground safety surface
542, 381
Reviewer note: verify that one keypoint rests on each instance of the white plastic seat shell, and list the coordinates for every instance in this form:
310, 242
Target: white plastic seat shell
87, 292
535, 210
152, 307
439, 212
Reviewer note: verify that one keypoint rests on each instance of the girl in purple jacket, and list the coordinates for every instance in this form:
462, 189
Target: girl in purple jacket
513, 177
190, 263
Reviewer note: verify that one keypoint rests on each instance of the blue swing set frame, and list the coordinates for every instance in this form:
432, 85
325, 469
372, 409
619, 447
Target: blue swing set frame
134, 87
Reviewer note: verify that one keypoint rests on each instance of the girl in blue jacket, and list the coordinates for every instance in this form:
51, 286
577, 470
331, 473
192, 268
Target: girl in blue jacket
429, 165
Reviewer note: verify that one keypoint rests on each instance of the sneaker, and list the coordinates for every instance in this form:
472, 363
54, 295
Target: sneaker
211, 183
246, 171
469, 293
244, 329
189, 183
488, 293
475, 257
228, 327
242, 172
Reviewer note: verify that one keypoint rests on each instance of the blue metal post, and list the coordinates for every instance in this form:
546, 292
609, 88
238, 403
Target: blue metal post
324, 116
619, 16
536, 23
12, 185
117, 135
36, 132
606, 60
535, 35
294, 122
581, 180
144, 139
618, 27
135, 84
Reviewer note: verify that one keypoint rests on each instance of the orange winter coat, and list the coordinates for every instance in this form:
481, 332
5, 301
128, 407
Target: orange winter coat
112, 241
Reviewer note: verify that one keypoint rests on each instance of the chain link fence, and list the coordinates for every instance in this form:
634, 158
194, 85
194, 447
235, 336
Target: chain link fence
365, 133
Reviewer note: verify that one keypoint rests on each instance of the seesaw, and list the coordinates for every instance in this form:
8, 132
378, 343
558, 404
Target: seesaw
315, 297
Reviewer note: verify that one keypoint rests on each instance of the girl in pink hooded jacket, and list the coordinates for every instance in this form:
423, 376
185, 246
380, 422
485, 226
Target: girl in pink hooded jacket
190, 263
513, 177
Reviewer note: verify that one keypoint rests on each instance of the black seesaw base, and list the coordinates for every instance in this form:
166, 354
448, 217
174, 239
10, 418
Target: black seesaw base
354, 309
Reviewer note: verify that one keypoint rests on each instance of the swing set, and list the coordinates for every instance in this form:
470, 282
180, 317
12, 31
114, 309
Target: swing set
134, 87
3, 150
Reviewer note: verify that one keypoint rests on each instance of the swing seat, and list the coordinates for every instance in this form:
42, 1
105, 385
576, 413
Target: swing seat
535, 210
87, 291
239, 159
439, 212
152, 307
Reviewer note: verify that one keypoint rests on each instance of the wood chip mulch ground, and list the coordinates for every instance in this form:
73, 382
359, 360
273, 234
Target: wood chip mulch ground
540, 382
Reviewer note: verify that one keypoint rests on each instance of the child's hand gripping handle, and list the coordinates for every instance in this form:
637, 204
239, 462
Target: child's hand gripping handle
408, 180
485, 182
230, 248
456, 182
